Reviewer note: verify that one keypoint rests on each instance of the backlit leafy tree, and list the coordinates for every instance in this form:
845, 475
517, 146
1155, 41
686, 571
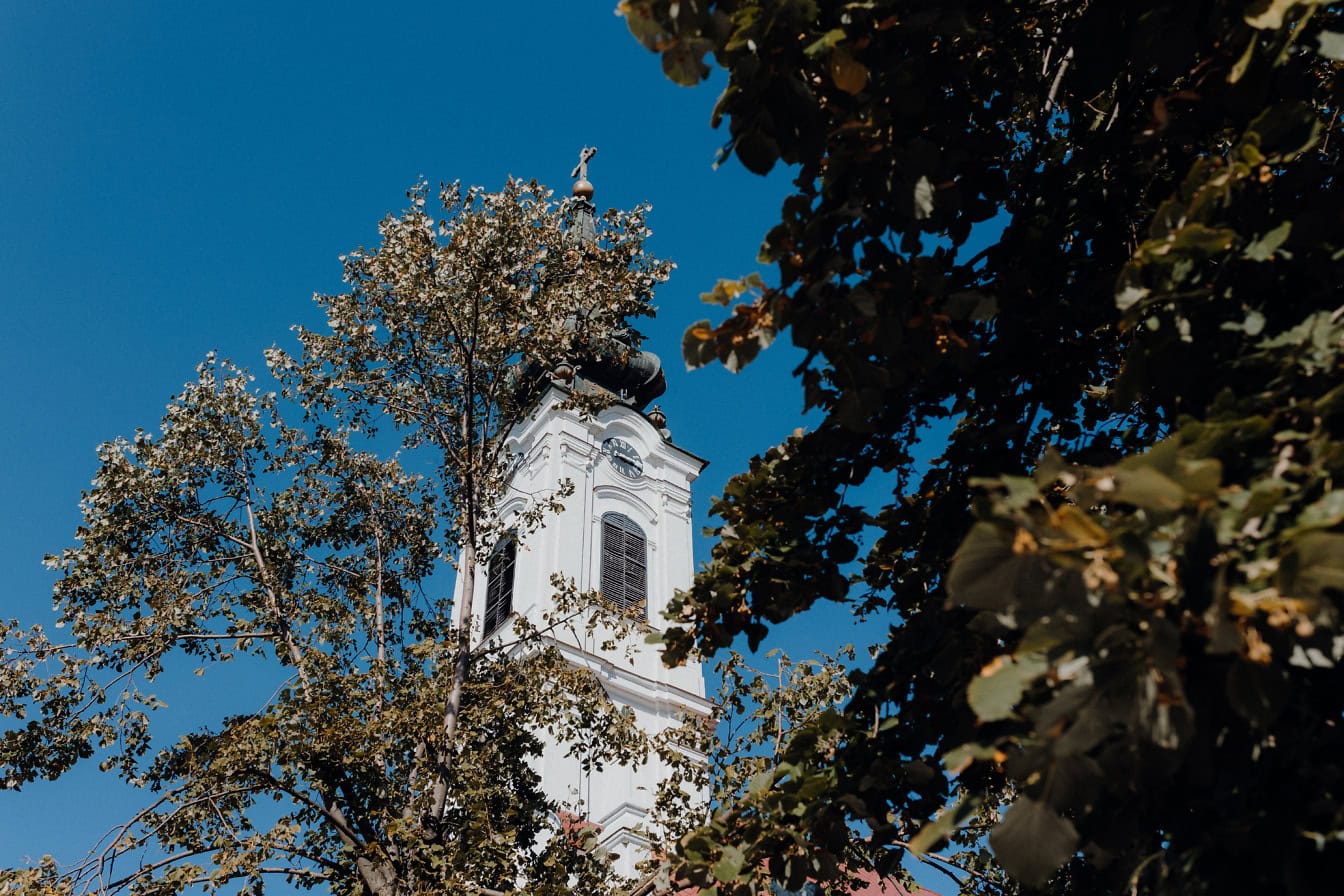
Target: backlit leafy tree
1090, 252
389, 754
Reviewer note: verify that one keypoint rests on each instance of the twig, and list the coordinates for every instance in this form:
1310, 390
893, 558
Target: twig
937, 861
1059, 76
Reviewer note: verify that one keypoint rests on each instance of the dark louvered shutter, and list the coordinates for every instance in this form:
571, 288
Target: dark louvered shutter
624, 568
499, 591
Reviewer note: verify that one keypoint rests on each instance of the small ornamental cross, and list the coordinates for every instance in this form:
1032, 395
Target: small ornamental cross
581, 170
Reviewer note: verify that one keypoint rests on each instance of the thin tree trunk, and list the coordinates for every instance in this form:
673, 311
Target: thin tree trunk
467, 572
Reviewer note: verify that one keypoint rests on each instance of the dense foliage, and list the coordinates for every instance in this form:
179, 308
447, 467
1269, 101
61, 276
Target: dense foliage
1098, 246
388, 753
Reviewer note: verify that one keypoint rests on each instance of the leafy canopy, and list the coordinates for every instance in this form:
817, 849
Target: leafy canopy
389, 753
1098, 246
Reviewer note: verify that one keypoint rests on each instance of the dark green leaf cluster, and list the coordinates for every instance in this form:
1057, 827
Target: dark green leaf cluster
1104, 233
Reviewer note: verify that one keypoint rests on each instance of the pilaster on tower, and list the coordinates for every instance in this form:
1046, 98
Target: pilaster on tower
625, 532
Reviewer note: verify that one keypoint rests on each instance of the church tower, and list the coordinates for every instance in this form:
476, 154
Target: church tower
626, 532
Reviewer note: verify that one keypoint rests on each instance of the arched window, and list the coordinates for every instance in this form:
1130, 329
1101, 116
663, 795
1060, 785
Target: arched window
499, 590
624, 564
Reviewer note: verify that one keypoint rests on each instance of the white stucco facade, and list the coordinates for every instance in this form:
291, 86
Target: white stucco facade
555, 445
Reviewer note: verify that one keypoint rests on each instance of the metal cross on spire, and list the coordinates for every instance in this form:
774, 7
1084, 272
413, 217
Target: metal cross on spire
581, 170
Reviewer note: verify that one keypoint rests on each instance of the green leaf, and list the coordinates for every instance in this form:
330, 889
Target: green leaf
826, 42
761, 782
729, 865
684, 60
923, 198
1130, 296
1286, 130
934, 832
641, 23
1268, 15
971, 304
1243, 62
738, 354
1201, 477
1078, 526
1319, 561
1331, 45
1048, 632
1200, 240
1256, 692
696, 846
988, 573
1324, 513
1032, 842
757, 150
1252, 325
1145, 487
1263, 248
958, 758
698, 345
996, 691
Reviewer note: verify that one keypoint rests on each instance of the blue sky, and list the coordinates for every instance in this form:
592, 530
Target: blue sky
177, 178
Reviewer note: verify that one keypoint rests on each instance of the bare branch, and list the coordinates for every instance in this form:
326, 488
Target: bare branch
1059, 77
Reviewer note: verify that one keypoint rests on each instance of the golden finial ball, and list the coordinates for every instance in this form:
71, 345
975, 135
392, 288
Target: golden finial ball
583, 189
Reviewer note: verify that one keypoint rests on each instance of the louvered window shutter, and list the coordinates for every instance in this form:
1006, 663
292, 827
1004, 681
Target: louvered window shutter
624, 564
499, 591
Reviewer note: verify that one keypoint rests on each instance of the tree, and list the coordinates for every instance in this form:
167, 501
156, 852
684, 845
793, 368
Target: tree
392, 756
1089, 253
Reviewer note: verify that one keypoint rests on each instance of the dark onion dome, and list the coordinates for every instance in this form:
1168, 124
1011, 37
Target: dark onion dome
634, 376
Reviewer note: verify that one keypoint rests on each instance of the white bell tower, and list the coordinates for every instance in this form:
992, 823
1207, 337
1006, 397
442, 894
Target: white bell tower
625, 532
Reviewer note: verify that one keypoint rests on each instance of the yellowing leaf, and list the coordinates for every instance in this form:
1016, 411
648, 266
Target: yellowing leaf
959, 759
826, 42
1080, 528
1242, 62
1271, 12
1331, 45
923, 198
848, 73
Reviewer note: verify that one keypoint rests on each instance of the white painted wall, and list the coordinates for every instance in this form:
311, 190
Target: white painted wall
557, 445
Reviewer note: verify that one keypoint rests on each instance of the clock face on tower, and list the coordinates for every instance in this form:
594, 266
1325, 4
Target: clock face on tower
624, 458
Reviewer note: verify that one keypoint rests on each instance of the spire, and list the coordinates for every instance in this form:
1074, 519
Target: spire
583, 229
635, 377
